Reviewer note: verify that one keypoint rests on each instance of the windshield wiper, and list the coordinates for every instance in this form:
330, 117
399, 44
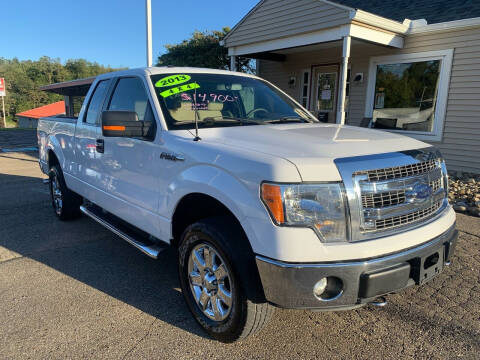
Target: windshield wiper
228, 118
287, 119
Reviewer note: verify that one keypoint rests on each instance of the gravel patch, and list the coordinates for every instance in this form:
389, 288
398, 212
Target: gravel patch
464, 192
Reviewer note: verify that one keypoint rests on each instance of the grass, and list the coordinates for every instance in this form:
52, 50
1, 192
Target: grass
11, 125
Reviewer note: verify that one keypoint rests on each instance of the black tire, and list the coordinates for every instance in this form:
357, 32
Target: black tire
65, 203
245, 317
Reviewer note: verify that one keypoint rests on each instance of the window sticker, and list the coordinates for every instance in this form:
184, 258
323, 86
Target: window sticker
210, 97
179, 89
172, 80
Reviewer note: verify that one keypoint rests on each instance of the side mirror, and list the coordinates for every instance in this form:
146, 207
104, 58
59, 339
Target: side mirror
124, 124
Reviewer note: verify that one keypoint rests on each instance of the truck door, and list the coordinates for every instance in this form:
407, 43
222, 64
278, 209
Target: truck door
130, 166
88, 153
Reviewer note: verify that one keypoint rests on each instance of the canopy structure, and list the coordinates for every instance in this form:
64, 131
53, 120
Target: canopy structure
70, 89
273, 27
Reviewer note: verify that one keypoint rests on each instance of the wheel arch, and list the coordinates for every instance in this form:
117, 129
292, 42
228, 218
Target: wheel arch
195, 207
54, 152
52, 158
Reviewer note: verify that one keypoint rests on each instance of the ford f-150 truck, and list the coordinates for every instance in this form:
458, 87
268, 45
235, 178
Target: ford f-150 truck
264, 206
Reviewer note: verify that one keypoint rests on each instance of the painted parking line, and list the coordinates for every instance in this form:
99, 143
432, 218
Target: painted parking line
32, 148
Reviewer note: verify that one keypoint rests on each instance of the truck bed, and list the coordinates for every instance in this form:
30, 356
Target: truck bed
56, 131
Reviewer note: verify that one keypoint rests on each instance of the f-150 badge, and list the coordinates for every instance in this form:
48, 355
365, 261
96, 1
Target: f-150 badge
171, 156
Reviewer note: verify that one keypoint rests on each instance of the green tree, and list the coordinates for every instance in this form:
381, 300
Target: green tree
203, 49
23, 79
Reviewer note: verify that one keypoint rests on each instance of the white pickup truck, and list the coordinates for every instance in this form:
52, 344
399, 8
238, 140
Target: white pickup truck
265, 206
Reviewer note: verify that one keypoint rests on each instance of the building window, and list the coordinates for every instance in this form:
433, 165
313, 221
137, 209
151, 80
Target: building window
408, 93
305, 89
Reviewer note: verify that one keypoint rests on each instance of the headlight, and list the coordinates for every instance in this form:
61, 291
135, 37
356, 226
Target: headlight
319, 206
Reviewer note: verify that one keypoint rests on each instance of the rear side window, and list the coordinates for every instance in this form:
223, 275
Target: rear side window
96, 102
130, 95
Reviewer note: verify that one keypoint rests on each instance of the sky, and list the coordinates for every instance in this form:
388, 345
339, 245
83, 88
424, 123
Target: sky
110, 32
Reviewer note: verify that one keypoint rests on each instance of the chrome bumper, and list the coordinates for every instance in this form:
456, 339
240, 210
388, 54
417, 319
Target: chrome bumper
291, 285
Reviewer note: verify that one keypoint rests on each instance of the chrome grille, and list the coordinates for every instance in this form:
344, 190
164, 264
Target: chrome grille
398, 196
392, 198
406, 219
392, 192
400, 171
385, 199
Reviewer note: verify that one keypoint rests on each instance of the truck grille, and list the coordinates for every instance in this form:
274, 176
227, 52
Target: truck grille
399, 196
401, 171
401, 220
392, 198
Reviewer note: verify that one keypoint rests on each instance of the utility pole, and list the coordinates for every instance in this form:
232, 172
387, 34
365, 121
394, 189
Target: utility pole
148, 6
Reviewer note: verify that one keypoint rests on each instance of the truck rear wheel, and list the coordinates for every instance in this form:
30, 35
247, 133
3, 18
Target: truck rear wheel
212, 286
65, 202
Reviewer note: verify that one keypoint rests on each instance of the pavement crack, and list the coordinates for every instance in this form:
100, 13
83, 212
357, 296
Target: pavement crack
140, 340
12, 259
469, 233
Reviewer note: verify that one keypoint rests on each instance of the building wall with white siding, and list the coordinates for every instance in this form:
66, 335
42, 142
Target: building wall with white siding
460, 141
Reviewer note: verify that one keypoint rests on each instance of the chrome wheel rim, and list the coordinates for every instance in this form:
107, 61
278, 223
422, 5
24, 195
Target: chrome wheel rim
210, 282
57, 196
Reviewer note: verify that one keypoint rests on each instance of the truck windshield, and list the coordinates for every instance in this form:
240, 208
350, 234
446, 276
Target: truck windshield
222, 100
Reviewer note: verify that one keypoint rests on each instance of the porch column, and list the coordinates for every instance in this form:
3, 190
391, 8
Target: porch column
233, 63
343, 80
68, 105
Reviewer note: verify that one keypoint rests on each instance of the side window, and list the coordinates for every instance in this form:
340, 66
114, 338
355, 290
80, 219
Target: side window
130, 95
96, 101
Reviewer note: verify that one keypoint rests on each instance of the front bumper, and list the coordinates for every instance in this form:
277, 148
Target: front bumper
291, 285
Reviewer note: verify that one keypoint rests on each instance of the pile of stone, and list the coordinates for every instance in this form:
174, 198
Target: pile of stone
464, 192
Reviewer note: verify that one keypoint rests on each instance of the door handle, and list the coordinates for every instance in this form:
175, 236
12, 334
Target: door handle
100, 145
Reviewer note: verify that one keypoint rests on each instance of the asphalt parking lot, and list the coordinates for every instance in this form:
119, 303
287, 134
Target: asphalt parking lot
75, 290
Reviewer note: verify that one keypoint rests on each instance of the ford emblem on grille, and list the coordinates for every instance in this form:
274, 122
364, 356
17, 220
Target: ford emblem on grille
419, 193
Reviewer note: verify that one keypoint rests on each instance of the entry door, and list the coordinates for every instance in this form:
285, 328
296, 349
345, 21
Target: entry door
325, 86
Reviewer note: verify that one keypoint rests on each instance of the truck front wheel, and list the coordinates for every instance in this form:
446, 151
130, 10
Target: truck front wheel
65, 202
211, 285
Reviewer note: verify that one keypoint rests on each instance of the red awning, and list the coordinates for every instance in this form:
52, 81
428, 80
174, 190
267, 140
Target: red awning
56, 108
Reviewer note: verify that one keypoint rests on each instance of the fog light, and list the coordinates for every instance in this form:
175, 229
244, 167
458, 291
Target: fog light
328, 288
320, 287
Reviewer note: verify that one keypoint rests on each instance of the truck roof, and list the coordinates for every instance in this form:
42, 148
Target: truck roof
171, 69
80, 87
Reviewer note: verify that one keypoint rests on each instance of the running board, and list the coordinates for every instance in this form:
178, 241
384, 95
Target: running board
147, 247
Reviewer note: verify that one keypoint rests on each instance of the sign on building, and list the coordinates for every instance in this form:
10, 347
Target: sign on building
2, 87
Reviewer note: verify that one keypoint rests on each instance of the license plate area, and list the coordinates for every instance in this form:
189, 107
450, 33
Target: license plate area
427, 267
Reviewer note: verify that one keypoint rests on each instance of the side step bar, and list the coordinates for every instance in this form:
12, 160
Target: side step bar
148, 248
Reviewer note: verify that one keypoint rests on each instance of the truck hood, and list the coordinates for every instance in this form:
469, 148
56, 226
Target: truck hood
312, 147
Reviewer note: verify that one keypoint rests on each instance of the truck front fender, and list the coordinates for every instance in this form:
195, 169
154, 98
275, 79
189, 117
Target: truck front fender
239, 197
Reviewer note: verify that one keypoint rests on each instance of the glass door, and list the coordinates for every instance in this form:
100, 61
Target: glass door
325, 100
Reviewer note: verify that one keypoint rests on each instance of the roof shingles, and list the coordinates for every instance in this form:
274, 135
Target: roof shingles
434, 11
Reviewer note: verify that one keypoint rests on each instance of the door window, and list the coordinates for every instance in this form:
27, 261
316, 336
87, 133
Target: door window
96, 102
327, 83
130, 95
